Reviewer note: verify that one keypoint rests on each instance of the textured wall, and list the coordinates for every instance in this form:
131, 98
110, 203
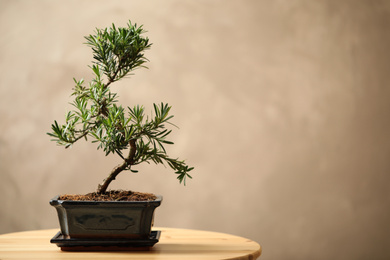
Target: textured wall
283, 108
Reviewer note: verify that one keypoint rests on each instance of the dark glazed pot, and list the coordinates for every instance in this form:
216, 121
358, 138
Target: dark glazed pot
105, 219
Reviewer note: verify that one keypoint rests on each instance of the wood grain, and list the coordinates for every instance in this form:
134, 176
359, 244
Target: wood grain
174, 244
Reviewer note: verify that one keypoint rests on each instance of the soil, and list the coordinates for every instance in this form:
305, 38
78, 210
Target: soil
112, 195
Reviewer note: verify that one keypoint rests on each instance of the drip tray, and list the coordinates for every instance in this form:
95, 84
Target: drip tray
105, 244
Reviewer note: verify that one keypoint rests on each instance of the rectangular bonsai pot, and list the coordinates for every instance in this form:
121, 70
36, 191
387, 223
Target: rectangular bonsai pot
105, 219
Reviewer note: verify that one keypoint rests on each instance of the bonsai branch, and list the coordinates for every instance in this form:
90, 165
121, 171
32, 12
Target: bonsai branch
81, 136
129, 160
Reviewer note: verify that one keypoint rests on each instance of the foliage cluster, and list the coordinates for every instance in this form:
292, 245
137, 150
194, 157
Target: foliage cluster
127, 132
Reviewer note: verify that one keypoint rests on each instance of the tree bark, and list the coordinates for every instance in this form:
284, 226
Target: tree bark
129, 160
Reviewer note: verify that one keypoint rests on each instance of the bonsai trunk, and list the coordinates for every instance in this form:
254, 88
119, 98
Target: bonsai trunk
129, 160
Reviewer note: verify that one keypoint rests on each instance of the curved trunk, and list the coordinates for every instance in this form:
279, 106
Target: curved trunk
129, 160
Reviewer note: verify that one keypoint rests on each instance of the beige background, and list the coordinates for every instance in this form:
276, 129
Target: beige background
283, 108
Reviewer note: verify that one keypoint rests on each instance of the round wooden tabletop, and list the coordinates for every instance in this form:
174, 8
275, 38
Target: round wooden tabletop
173, 244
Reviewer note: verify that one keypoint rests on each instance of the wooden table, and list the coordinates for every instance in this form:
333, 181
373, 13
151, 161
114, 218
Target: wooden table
173, 244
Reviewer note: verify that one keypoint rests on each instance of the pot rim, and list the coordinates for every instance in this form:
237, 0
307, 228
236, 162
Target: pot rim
55, 201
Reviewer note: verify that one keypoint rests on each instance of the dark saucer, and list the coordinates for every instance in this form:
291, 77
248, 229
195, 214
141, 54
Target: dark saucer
106, 244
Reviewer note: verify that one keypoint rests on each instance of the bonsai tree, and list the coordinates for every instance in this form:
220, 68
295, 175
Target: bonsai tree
97, 117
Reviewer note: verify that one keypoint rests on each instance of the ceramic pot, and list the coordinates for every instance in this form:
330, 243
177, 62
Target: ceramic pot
106, 219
